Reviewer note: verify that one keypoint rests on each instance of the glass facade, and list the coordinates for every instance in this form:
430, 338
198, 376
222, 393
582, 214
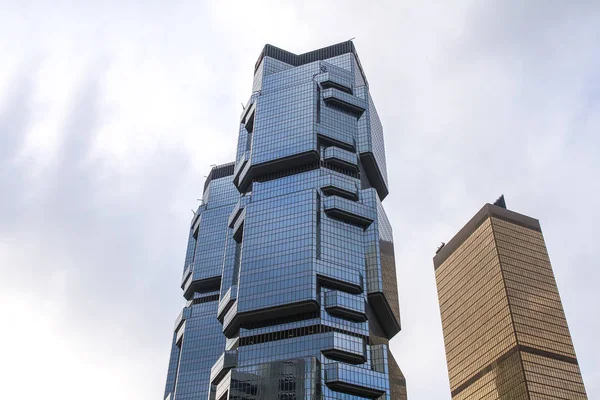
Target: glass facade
505, 331
289, 274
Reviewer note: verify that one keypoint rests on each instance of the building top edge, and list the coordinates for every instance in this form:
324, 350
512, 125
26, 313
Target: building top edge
219, 171
305, 58
487, 211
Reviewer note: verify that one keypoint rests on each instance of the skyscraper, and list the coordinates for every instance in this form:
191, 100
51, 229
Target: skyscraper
289, 274
505, 331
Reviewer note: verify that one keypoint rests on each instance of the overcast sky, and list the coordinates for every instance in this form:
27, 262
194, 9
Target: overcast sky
112, 112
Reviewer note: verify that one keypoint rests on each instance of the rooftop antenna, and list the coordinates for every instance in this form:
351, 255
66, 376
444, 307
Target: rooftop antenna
352, 39
500, 202
243, 107
440, 248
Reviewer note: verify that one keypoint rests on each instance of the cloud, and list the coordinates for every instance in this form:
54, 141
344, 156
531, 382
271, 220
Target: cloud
89, 246
110, 116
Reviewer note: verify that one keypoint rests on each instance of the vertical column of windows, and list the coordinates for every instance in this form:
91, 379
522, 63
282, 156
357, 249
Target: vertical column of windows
195, 239
191, 248
250, 129
173, 367
249, 141
178, 345
318, 104
318, 226
236, 263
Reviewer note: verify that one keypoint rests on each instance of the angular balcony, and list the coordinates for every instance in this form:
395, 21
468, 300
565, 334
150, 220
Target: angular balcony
197, 215
237, 210
227, 301
340, 158
237, 316
346, 279
229, 321
179, 333
348, 102
382, 290
338, 186
248, 110
349, 211
337, 137
201, 285
355, 380
332, 80
221, 390
345, 305
346, 348
227, 361
243, 178
185, 313
238, 226
379, 357
373, 172
239, 166
187, 277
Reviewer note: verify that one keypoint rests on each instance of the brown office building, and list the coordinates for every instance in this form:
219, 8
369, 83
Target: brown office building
505, 330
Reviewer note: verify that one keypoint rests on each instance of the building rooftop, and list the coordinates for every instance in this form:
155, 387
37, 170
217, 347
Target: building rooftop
312, 56
219, 171
498, 210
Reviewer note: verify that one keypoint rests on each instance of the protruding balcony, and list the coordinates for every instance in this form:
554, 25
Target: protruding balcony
227, 361
354, 380
239, 166
179, 333
337, 137
237, 210
345, 305
229, 325
185, 313
221, 391
348, 280
197, 215
238, 226
242, 179
379, 357
382, 292
234, 318
202, 285
340, 158
338, 186
348, 102
187, 277
227, 301
248, 110
346, 348
349, 211
333, 80
217, 172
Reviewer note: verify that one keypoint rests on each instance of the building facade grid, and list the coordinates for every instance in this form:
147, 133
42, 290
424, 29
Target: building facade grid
289, 272
505, 332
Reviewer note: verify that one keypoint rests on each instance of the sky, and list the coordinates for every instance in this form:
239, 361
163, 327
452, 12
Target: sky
111, 114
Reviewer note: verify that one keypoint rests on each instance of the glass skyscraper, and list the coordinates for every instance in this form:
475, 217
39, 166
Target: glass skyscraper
289, 273
505, 330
